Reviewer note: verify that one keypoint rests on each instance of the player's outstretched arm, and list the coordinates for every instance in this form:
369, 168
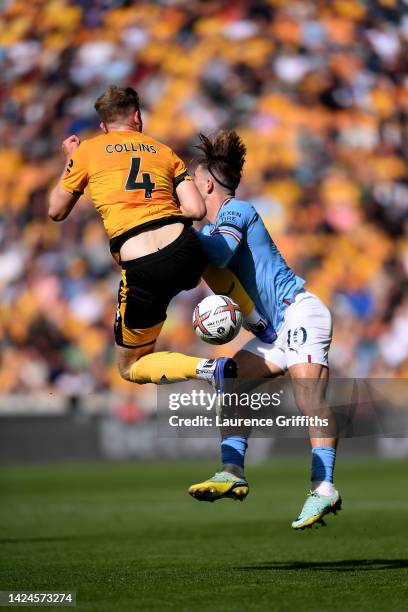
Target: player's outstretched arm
67, 192
191, 203
61, 203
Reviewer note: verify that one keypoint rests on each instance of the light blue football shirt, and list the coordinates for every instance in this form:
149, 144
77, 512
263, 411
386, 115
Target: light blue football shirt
240, 241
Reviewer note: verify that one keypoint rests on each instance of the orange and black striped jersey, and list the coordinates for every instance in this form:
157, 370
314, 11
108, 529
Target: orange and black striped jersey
132, 180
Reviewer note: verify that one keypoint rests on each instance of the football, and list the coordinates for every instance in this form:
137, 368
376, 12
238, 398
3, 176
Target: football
217, 319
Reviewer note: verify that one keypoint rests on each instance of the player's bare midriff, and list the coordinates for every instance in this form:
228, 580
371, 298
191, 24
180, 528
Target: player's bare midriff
150, 241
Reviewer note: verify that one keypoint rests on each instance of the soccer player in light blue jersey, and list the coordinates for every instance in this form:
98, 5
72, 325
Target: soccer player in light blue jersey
235, 237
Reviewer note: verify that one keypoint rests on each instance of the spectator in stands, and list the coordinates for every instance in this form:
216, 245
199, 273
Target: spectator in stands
320, 95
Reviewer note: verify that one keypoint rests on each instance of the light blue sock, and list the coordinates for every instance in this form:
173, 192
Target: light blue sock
323, 459
233, 450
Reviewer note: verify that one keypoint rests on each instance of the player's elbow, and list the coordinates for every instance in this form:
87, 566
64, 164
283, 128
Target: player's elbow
53, 209
192, 204
60, 204
202, 211
196, 211
54, 215
198, 215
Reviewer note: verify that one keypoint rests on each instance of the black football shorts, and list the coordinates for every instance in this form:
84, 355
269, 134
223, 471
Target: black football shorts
150, 282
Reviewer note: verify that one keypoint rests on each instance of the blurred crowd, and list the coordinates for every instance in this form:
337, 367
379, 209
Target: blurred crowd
319, 92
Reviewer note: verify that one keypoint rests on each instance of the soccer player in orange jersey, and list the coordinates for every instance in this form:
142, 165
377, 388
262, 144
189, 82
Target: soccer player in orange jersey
147, 201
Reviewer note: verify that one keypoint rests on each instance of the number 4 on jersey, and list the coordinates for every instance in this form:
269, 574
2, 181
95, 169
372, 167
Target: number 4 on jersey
146, 183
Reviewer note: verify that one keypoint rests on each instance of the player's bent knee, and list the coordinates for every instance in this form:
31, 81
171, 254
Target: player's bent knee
124, 365
251, 366
124, 370
127, 358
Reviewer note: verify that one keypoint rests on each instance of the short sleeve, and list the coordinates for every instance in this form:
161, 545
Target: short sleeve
222, 240
75, 178
232, 219
180, 172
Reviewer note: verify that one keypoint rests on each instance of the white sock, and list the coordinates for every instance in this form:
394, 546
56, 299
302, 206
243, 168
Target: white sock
235, 470
205, 369
323, 487
254, 317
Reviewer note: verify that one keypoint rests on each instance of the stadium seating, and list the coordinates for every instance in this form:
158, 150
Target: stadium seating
318, 90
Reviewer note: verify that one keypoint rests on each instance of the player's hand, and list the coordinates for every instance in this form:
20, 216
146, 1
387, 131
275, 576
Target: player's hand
70, 144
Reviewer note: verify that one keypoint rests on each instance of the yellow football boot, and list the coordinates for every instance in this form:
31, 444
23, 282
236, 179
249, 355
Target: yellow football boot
222, 484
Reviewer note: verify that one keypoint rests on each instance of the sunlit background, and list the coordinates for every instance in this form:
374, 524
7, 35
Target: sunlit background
319, 92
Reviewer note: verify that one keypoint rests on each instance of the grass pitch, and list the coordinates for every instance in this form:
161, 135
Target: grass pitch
127, 537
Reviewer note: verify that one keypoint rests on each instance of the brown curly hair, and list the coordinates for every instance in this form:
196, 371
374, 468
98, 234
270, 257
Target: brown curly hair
223, 156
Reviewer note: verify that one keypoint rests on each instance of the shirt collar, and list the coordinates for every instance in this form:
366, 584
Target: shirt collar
227, 199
